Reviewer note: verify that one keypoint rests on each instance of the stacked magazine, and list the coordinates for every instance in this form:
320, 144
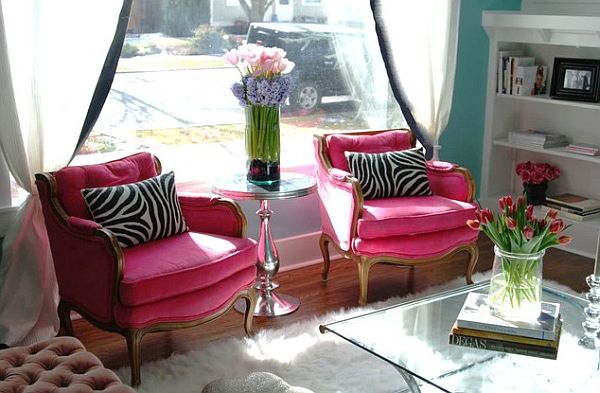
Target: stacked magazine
583, 148
476, 327
537, 138
574, 207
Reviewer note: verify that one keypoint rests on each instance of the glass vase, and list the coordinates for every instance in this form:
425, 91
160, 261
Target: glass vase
535, 193
516, 285
262, 144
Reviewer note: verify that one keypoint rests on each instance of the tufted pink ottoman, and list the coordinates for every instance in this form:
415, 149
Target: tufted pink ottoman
59, 364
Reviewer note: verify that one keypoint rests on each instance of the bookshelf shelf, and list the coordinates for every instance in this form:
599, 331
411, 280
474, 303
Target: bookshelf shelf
550, 101
553, 151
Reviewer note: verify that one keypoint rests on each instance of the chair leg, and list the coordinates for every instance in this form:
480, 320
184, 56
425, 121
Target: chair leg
473, 251
64, 316
250, 298
134, 348
324, 244
363, 279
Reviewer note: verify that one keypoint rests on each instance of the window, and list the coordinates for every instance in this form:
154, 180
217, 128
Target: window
232, 3
171, 94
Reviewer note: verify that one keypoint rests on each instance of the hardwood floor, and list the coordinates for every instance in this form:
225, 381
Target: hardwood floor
317, 298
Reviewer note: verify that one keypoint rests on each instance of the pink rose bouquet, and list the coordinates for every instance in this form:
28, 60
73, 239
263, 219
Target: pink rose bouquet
537, 173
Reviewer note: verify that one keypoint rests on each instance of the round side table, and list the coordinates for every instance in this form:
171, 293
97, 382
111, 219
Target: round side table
291, 185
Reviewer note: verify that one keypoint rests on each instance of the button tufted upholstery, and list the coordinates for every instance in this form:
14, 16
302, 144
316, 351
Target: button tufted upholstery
59, 364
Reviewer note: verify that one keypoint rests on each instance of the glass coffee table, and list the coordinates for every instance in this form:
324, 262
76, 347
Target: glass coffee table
413, 338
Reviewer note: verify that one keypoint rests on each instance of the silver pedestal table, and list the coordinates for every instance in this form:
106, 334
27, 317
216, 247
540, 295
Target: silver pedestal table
291, 185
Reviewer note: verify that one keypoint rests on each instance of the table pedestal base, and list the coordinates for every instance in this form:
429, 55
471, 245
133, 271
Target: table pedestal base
270, 304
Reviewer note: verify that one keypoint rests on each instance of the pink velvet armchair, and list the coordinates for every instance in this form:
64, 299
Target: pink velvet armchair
174, 282
409, 231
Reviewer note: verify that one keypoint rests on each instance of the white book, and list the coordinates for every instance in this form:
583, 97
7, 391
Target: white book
514, 62
475, 314
502, 74
530, 80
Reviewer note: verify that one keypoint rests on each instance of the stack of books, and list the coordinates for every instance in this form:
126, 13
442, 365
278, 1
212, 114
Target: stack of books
519, 75
537, 138
574, 207
583, 148
476, 327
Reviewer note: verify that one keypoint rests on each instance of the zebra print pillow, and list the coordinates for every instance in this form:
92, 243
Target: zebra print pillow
138, 212
390, 174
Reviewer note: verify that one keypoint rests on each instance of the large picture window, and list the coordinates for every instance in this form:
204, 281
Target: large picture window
171, 94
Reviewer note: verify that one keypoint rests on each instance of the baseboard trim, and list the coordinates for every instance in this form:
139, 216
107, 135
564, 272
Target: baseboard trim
301, 251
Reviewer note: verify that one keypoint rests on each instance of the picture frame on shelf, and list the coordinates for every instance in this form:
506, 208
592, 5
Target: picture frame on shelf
576, 79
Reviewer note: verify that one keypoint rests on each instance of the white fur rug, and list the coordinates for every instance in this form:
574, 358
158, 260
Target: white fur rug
303, 356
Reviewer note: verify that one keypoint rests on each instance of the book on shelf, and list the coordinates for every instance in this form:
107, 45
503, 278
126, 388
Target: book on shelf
490, 344
514, 62
530, 80
583, 148
475, 314
571, 214
537, 138
576, 203
502, 72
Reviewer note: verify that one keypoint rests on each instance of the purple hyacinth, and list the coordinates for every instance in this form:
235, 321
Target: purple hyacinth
262, 91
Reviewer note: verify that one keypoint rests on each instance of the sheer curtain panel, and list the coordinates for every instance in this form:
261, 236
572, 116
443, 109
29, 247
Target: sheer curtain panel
51, 56
418, 41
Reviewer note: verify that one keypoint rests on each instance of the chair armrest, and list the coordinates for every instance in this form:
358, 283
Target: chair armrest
89, 266
451, 181
340, 200
83, 226
212, 214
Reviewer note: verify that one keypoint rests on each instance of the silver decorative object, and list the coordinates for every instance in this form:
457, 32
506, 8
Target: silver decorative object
591, 325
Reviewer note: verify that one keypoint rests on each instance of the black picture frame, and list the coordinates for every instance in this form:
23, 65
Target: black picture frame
576, 79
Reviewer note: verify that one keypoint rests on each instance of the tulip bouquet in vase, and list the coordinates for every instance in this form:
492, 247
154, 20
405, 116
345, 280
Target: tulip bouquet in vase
263, 88
520, 241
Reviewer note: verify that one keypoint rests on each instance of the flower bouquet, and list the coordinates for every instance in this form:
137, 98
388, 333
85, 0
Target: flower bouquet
262, 90
535, 178
520, 241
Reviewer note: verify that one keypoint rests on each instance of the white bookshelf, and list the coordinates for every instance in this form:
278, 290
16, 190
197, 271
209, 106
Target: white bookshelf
544, 37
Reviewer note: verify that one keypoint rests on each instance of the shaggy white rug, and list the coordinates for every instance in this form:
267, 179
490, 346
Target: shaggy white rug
302, 356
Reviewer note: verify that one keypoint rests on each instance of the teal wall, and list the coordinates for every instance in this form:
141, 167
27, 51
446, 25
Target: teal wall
462, 141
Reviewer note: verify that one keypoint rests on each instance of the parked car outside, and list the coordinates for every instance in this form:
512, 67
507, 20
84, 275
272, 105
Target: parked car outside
318, 72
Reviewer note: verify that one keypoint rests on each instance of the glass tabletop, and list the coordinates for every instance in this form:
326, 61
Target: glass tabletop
291, 185
413, 337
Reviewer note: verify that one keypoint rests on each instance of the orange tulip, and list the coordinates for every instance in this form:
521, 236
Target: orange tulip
474, 224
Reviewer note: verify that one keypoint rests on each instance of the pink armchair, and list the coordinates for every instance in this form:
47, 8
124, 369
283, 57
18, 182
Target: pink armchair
175, 282
409, 231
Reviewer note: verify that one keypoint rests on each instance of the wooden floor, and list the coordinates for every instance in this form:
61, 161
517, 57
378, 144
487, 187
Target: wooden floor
317, 298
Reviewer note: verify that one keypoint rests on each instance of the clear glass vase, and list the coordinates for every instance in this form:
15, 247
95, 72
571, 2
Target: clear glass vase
516, 285
262, 144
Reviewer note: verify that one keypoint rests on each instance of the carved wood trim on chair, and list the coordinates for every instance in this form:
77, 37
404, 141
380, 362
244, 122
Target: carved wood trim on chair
364, 263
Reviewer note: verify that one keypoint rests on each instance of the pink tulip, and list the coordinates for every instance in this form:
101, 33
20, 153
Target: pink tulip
232, 57
505, 202
511, 223
557, 226
528, 232
487, 216
552, 214
473, 224
564, 240
529, 212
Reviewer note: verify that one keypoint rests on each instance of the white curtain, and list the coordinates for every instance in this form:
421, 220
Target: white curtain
51, 55
422, 38
361, 63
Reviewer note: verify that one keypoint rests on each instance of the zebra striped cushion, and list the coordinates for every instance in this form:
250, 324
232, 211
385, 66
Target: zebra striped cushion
138, 212
390, 174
